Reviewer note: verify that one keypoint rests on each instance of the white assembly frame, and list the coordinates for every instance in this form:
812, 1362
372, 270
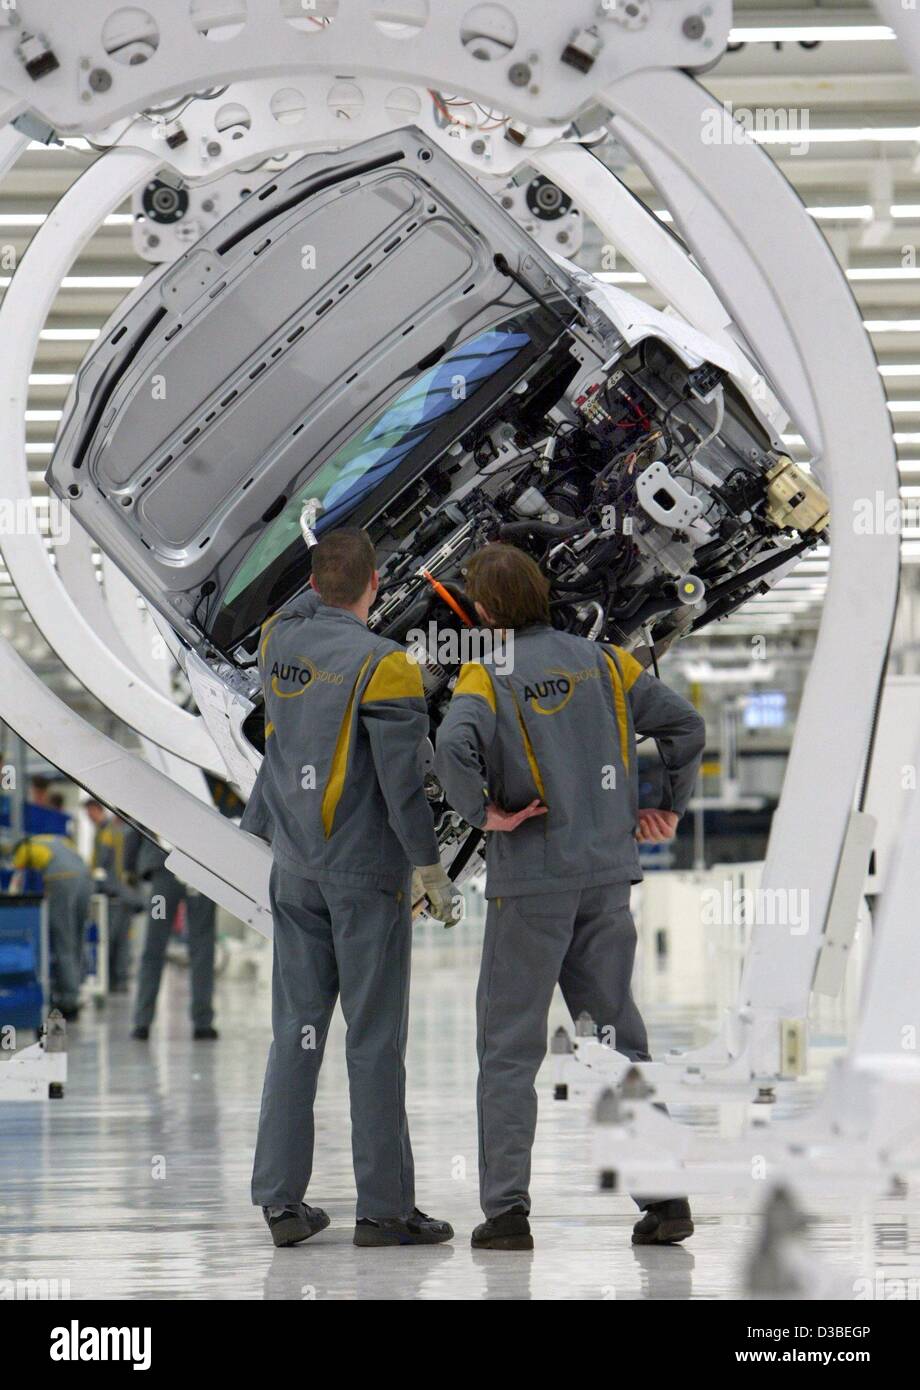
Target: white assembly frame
761, 278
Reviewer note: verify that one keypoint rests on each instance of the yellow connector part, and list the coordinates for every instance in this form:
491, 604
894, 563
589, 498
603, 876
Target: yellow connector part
794, 500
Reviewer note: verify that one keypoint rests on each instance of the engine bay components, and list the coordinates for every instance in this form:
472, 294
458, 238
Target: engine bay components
665, 500
795, 501
370, 338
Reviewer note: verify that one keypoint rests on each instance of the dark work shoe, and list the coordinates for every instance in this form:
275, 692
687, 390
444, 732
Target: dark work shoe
291, 1225
142, 1034
205, 1035
664, 1223
418, 1229
510, 1231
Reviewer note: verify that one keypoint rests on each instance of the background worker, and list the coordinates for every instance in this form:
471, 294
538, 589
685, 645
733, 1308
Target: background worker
123, 900
40, 790
68, 886
544, 757
145, 862
340, 795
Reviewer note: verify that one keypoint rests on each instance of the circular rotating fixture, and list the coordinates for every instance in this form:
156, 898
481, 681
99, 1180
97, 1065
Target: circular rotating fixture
546, 199
164, 203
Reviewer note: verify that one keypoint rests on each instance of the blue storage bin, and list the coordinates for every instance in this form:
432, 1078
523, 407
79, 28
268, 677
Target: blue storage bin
22, 1003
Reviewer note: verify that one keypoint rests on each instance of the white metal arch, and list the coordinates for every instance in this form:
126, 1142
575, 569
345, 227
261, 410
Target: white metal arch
746, 228
790, 298
25, 306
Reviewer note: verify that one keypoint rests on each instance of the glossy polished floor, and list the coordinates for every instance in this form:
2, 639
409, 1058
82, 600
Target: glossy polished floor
135, 1185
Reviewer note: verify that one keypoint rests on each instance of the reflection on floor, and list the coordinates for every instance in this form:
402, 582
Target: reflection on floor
136, 1183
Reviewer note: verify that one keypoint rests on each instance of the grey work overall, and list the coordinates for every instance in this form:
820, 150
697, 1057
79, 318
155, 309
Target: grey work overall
340, 797
560, 726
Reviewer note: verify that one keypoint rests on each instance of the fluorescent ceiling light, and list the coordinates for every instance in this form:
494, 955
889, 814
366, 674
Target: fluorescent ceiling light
865, 212
768, 605
38, 219
50, 378
842, 135
750, 622
632, 277
901, 369
44, 414
814, 584
78, 335
811, 33
891, 325
91, 282
696, 670
620, 277
844, 212
885, 272
899, 437
101, 282
862, 213
904, 407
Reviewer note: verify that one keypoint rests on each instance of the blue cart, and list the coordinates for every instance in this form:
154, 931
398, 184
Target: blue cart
23, 961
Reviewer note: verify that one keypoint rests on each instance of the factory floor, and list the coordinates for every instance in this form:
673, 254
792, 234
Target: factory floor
136, 1183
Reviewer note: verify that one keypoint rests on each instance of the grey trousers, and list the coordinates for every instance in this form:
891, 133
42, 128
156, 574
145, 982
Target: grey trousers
584, 940
166, 893
68, 910
332, 941
121, 912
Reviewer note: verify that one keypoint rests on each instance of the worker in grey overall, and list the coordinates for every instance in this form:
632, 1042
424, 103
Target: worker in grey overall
544, 756
340, 796
123, 900
68, 886
145, 861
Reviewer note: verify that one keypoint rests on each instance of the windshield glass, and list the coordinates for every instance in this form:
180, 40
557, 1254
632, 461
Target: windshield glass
379, 448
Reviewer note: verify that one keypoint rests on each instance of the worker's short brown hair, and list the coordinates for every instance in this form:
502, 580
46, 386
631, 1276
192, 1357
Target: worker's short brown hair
509, 585
343, 564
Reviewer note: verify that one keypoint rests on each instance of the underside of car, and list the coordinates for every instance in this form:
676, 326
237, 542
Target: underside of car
371, 340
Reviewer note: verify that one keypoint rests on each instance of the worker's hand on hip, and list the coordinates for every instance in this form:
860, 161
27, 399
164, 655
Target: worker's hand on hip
445, 901
656, 826
510, 820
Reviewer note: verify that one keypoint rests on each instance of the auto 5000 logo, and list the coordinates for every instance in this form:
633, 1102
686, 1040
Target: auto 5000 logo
553, 694
290, 678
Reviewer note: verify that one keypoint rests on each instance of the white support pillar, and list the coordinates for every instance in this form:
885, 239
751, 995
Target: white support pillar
779, 280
